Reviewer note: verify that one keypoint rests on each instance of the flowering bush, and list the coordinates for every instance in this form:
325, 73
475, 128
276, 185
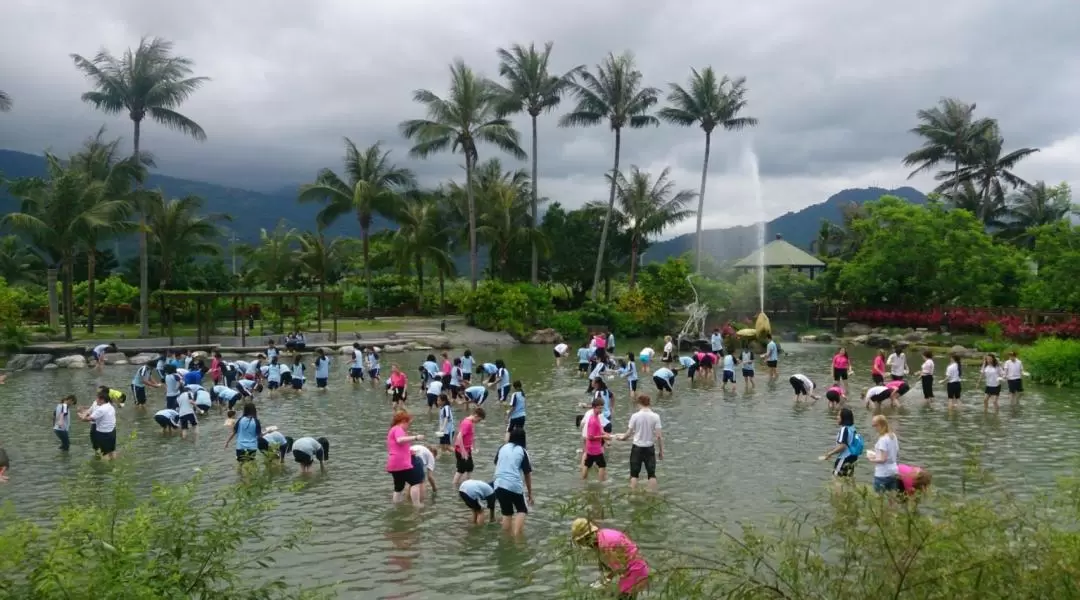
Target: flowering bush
974, 320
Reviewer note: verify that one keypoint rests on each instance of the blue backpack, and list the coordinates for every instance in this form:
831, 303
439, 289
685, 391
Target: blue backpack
855, 448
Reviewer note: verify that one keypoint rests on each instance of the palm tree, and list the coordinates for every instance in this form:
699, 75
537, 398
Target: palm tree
469, 115
1035, 205
966, 196
147, 81
372, 187
421, 240
57, 212
322, 259
5, 101
272, 261
647, 207
614, 93
503, 222
178, 232
18, 261
949, 132
102, 161
990, 171
707, 103
531, 88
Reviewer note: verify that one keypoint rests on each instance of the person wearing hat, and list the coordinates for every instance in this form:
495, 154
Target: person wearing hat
618, 556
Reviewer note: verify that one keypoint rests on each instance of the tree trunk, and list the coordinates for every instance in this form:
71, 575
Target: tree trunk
535, 273
701, 204
144, 257
633, 260
419, 285
322, 290
91, 287
607, 217
472, 217
366, 244
51, 277
68, 310
442, 291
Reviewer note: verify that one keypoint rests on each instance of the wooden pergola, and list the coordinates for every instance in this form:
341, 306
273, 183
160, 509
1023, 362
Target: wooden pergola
203, 308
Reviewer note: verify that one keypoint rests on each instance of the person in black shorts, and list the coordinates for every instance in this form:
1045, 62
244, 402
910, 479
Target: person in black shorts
844, 466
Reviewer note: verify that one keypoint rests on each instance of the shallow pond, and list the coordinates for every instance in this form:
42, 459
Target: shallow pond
731, 456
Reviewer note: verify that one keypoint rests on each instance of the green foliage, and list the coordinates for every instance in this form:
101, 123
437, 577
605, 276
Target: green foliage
110, 539
570, 235
1053, 361
12, 334
639, 314
927, 255
666, 282
111, 291
569, 324
514, 308
1057, 257
857, 544
785, 289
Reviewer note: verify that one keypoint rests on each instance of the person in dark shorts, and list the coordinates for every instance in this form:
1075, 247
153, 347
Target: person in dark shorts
595, 436
664, 379
464, 443
848, 445
513, 482
644, 429
307, 450
475, 494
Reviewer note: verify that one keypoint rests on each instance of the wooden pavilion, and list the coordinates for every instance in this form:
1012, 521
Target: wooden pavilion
781, 254
204, 309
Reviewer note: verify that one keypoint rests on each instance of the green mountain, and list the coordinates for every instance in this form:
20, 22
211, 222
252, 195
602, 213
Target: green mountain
800, 227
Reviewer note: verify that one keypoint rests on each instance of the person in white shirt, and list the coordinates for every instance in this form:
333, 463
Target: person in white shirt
885, 455
434, 390
186, 410
98, 354
648, 445
953, 387
669, 350
102, 416
803, 386
560, 351
427, 455
1014, 377
62, 421
645, 357
926, 374
897, 363
991, 374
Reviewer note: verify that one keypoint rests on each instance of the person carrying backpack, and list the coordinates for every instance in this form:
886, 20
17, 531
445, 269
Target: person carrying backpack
849, 445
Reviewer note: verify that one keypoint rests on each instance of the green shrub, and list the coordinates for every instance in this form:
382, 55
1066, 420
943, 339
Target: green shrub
109, 539
1053, 361
568, 324
515, 308
994, 346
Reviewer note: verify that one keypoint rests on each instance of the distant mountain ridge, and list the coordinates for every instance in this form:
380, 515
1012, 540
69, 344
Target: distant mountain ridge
799, 228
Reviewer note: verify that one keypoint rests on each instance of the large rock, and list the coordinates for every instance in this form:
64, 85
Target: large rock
142, 359
32, 362
439, 342
860, 339
544, 336
395, 349
418, 347
348, 350
50, 367
325, 350
114, 358
808, 339
855, 329
75, 361
915, 336
824, 337
877, 340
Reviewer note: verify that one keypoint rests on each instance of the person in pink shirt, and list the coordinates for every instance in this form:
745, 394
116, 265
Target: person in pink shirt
835, 395
398, 383
841, 365
594, 443
877, 370
465, 445
913, 479
619, 558
899, 387
447, 366
399, 463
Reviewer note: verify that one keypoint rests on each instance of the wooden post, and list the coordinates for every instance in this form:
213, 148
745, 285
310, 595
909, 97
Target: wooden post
318, 316
172, 328
335, 305
243, 326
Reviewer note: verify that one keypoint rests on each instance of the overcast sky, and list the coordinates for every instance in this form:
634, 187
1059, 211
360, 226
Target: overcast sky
835, 84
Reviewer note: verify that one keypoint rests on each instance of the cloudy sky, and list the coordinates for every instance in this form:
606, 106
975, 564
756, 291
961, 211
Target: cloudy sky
835, 83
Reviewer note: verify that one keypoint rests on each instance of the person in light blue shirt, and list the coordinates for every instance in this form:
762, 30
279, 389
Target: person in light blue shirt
224, 395
273, 376
456, 379
747, 367
690, 365
173, 381
298, 368
516, 412
476, 394
584, 353
630, 372
729, 371
275, 442
716, 341
356, 369
428, 370
664, 378
467, 362
373, 367
168, 419
271, 350
610, 343
772, 356
447, 428
503, 375
475, 494
489, 369
322, 370
139, 381
513, 482
247, 432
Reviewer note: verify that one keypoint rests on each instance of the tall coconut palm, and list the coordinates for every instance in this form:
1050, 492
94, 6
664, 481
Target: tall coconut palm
646, 207
990, 169
950, 132
102, 161
179, 232
372, 186
148, 81
709, 103
272, 261
470, 114
1036, 205
5, 101
614, 93
532, 88
421, 240
322, 260
966, 196
57, 212
19, 263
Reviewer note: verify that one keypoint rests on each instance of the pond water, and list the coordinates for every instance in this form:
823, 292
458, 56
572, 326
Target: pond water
731, 456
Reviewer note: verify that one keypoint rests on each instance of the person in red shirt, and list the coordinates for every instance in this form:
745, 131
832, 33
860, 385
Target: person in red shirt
465, 444
594, 443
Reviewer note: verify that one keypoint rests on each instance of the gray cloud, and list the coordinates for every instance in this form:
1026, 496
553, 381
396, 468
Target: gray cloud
835, 85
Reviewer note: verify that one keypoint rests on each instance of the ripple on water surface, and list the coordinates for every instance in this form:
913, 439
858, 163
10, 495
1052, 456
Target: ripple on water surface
730, 456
